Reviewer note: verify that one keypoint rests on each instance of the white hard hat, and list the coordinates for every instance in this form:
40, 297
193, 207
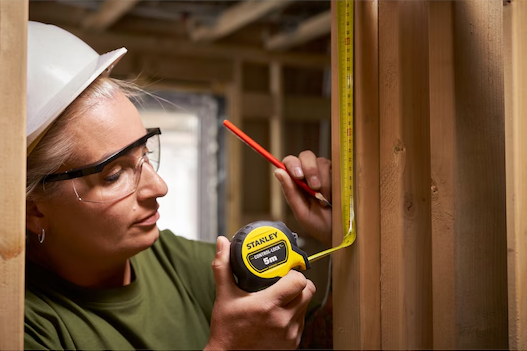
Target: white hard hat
59, 67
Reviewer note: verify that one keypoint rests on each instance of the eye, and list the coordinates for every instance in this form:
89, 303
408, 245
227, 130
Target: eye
146, 154
113, 177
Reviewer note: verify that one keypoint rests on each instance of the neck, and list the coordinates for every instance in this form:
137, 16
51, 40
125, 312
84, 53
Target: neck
102, 275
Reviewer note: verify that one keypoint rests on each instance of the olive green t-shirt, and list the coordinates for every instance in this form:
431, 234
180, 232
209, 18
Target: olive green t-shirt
168, 305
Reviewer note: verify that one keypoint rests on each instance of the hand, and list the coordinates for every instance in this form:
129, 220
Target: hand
272, 318
313, 215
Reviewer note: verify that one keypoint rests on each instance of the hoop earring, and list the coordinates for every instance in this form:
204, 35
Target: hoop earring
42, 236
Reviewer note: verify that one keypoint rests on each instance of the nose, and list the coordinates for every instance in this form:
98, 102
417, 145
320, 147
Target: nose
151, 185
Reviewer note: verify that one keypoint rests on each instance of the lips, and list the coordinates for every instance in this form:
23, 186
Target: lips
149, 220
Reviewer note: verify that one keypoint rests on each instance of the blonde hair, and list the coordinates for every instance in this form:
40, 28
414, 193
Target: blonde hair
56, 147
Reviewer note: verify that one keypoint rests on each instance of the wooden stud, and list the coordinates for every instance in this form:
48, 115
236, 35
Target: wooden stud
356, 292
276, 127
515, 52
234, 168
442, 156
13, 48
405, 175
480, 239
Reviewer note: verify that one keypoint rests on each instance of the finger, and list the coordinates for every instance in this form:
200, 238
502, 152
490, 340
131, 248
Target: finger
221, 267
293, 195
310, 169
301, 302
294, 166
286, 289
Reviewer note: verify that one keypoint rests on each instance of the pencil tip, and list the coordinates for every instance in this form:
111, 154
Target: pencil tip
321, 197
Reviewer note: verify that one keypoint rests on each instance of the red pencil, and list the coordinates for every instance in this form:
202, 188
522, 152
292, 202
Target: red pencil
259, 149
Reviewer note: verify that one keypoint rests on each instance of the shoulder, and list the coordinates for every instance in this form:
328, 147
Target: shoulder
42, 324
182, 249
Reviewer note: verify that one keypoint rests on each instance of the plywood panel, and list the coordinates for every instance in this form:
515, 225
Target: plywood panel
13, 44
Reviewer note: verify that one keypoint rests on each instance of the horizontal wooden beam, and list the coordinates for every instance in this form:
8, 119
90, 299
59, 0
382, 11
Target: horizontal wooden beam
109, 13
236, 17
310, 29
305, 108
182, 48
186, 69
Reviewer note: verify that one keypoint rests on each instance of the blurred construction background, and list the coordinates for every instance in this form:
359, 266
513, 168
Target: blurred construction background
264, 65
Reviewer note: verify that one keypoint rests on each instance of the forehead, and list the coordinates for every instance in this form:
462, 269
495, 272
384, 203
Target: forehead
109, 125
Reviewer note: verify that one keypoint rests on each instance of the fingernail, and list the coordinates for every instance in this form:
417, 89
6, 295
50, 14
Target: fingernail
297, 171
219, 245
278, 175
314, 182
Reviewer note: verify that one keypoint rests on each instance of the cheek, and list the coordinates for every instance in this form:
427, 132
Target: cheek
105, 220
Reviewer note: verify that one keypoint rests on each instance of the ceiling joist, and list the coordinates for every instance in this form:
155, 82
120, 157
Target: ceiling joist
235, 18
310, 29
109, 13
149, 44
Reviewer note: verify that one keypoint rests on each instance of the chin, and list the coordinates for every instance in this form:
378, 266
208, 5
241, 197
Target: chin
145, 239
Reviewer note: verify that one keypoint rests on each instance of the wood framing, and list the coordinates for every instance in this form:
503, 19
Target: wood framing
109, 12
276, 130
138, 44
430, 114
308, 30
515, 50
234, 164
236, 17
442, 158
13, 47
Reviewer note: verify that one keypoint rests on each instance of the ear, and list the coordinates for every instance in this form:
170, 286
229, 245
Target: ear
35, 220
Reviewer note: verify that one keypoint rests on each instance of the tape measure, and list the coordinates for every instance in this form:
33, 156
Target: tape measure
264, 251
345, 74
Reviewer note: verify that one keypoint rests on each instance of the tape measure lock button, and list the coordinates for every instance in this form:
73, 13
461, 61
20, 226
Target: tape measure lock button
264, 251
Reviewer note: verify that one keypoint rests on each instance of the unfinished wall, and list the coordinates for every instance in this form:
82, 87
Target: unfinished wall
429, 268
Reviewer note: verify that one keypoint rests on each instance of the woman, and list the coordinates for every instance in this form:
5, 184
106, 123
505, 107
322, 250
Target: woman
100, 275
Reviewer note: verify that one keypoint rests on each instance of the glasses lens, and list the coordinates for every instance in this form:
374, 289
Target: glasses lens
120, 177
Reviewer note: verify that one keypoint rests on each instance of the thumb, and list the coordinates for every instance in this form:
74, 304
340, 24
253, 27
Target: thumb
221, 266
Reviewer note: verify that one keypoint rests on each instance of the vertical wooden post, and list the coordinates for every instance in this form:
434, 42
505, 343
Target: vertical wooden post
442, 156
234, 199
13, 62
405, 175
276, 126
515, 50
480, 239
356, 285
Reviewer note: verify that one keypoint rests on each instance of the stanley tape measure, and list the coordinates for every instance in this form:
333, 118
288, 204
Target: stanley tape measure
262, 252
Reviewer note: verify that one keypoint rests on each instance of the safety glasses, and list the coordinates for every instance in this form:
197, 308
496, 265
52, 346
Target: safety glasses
115, 177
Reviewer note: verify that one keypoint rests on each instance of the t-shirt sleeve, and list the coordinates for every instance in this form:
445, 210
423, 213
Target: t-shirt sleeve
193, 262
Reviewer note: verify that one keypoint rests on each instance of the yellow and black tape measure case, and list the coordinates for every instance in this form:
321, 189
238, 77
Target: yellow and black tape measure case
264, 251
